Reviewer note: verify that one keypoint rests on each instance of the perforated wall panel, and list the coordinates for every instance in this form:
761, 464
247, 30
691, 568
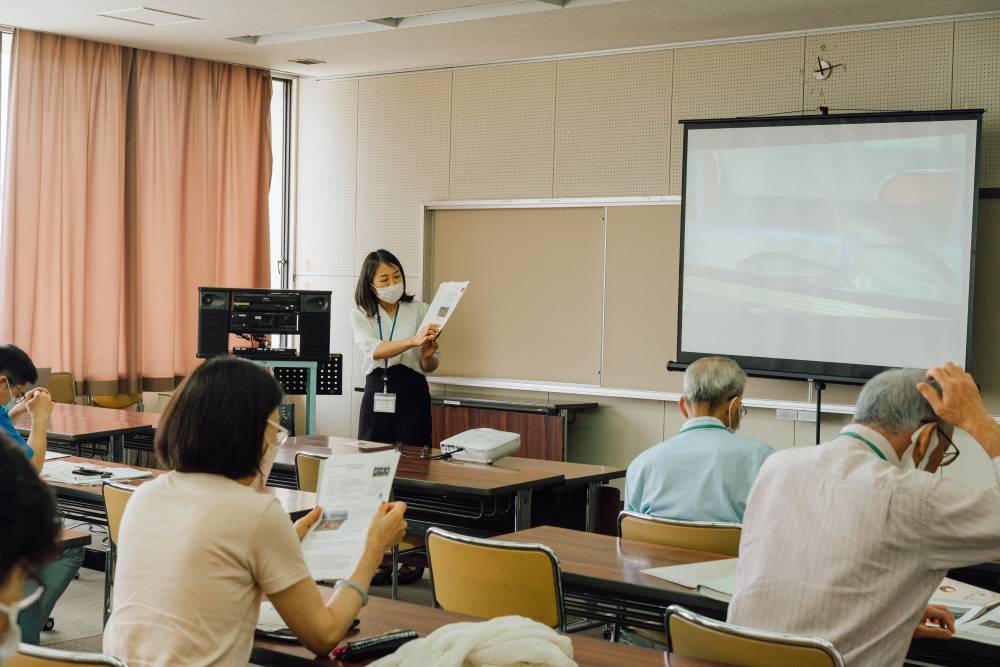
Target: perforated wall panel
724, 80
403, 147
501, 131
327, 173
893, 69
613, 125
977, 85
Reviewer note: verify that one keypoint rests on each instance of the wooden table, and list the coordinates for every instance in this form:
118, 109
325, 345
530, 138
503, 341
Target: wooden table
73, 425
602, 578
602, 581
86, 503
71, 539
382, 615
440, 492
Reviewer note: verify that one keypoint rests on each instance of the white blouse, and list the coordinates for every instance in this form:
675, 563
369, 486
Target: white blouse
408, 318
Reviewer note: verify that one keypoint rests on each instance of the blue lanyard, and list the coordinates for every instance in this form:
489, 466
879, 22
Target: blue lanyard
875, 449
392, 332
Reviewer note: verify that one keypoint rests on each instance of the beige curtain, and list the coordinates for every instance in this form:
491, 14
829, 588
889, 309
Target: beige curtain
203, 170
62, 242
132, 179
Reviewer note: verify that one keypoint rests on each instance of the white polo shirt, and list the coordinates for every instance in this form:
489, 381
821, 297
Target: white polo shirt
409, 315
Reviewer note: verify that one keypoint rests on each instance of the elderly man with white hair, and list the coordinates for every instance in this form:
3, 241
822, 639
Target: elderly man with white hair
705, 472
848, 540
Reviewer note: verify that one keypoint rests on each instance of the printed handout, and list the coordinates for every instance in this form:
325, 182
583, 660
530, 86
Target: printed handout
441, 308
351, 487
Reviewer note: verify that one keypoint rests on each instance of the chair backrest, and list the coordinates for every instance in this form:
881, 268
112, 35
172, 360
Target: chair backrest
61, 387
116, 496
117, 401
307, 471
696, 636
490, 578
720, 538
38, 656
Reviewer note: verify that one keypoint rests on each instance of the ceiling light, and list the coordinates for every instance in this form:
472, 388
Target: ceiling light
149, 16
455, 15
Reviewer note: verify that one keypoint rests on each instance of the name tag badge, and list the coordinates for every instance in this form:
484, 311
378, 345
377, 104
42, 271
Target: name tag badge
385, 403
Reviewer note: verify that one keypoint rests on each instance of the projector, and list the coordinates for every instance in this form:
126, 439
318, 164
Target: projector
481, 445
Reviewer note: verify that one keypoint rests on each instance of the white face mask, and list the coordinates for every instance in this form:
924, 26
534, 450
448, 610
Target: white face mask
390, 294
906, 462
11, 639
267, 462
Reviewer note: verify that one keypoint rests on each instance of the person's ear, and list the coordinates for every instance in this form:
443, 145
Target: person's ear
923, 443
684, 408
737, 417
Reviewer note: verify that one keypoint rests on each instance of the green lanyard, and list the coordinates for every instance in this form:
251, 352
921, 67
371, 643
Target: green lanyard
875, 449
699, 426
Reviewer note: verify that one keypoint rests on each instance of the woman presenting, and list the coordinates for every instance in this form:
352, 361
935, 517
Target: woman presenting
396, 408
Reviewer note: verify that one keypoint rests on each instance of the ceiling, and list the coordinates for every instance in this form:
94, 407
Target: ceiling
632, 23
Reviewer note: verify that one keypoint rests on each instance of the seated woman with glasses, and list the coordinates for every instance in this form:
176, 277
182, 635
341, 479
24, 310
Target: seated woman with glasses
27, 541
198, 546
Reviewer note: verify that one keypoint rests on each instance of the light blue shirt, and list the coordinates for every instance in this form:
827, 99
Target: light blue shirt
704, 473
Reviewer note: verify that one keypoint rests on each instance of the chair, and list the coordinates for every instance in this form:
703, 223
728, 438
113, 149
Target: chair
490, 578
307, 479
118, 401
720, 538
695, 636
116, 497
38, 656
61, 387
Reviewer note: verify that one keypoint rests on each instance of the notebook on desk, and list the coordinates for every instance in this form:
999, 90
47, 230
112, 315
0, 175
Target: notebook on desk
694, 575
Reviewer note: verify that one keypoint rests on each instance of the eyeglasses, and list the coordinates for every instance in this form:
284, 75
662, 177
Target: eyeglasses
281, 433
951, 452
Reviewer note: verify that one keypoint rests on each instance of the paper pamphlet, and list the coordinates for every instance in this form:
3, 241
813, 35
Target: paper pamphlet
965, 601
984, 628
351, 487
62, 471
695, 574
447, 297
51, 456
269, 620
718, 589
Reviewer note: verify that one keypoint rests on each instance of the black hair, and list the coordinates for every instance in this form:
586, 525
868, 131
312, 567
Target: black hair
216, 420
364, 293
17, 366
27, 512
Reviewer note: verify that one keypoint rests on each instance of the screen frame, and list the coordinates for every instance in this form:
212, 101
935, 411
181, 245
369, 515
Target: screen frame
798, 369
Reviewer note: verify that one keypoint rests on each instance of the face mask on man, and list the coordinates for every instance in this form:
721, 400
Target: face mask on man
390, 294
12, 401
907, 462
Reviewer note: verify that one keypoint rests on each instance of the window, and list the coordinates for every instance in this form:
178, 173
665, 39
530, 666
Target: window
278, 197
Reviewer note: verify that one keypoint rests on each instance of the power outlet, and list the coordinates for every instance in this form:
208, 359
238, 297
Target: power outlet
785, 415
806, 416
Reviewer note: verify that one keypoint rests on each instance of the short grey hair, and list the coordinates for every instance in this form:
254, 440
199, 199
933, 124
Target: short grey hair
713, 380
891, 403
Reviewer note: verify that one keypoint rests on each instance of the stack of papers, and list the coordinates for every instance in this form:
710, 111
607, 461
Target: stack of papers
62, 471
269, 620
51, 456
713, 579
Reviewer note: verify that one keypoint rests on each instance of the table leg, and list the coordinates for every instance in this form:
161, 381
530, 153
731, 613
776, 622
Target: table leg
395, 572
593, 506
522, 510
313, 373
118, 448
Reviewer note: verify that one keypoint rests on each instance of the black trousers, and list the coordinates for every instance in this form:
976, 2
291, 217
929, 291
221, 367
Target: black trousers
411, 423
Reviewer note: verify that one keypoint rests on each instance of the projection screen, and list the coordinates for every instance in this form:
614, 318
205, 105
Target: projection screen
829, 247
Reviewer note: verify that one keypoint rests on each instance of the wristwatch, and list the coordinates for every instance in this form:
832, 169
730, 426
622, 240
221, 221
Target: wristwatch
347, 583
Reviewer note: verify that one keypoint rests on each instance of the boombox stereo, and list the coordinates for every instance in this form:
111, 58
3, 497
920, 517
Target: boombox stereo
257, 312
